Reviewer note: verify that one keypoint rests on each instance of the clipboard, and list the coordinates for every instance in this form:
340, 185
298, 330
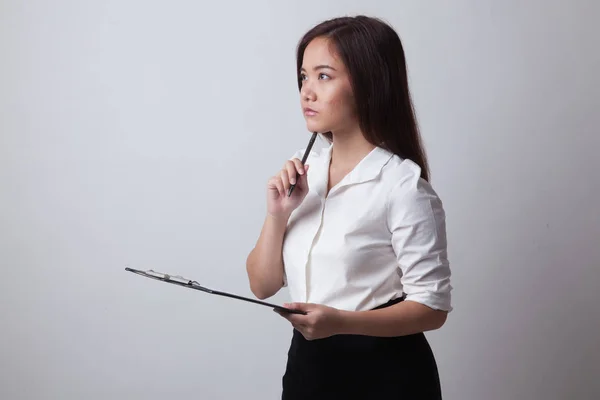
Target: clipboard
191, 284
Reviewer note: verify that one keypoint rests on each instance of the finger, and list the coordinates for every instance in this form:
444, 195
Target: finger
299, 167
296, 323
293, 318
303, 180
291, 170
275, 183
281, 314
307, 335
299, 327
279, 185
285, 180
289, 316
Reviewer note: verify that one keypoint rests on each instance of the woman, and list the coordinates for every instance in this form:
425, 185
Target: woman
361, 242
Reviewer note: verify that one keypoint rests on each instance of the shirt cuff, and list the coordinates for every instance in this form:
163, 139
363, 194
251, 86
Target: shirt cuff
437, 301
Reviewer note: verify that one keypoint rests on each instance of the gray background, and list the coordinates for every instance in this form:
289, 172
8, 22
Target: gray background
143, 133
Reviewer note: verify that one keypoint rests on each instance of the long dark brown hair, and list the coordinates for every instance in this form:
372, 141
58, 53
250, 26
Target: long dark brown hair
373, 54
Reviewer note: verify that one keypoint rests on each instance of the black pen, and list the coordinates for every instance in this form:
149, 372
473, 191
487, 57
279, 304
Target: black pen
306, 152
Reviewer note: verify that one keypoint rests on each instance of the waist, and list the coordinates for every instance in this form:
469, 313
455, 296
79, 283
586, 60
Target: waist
342, 346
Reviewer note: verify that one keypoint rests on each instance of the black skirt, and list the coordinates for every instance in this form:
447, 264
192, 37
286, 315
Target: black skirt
361, 367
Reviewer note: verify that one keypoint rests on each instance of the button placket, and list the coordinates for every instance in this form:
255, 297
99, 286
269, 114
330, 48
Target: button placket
308, 264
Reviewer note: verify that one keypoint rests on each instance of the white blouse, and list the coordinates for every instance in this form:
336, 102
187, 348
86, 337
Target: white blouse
379, 233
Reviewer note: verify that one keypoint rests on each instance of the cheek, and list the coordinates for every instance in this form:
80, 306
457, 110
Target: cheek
341, 103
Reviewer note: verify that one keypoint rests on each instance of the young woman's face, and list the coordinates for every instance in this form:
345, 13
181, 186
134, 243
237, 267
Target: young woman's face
326, 94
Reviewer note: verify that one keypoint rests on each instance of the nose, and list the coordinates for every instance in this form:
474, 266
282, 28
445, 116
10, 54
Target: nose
307, 93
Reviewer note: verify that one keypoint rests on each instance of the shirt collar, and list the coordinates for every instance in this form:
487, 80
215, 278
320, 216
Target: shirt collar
367, 169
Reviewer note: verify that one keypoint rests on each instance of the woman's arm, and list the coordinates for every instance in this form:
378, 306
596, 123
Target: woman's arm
264, 264
401, 319
405, 318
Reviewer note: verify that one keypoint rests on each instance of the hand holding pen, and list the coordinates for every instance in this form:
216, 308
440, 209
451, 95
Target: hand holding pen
290, 179
304, 158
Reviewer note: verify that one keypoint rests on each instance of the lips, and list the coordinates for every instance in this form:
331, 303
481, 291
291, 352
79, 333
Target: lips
309, 111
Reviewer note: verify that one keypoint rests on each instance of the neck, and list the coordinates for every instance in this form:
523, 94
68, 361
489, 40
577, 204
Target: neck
348, 149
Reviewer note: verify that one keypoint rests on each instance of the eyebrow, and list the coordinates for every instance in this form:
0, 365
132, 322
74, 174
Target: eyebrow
322, 66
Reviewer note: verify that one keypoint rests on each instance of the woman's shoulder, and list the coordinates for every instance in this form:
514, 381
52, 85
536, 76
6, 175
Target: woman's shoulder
405, 182
412, 201
403, 173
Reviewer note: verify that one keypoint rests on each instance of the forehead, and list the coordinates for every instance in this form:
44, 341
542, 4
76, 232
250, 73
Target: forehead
321, 51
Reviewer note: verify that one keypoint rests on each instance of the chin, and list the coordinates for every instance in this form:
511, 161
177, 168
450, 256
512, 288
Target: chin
315, 127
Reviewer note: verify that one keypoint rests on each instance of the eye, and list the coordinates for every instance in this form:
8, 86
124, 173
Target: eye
302, 77
323, 76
